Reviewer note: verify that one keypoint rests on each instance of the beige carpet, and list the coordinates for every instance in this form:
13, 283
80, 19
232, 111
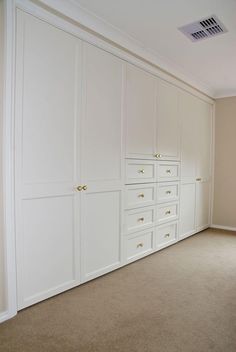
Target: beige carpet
180, 299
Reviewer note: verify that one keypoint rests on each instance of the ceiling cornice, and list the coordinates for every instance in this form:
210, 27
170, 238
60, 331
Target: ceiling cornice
71, 9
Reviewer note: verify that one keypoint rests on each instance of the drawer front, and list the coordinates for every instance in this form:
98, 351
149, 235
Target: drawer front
140, 171
167, 212
166, 235
168, 171
139, 245
139, 196
139, 219
167, 192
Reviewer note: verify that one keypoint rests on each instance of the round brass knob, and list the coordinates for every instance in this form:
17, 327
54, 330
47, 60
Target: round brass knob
85, 187
158, 155
79, 188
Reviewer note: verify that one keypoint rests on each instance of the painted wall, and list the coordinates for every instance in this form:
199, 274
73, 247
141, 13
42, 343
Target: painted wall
224, 212
2, 288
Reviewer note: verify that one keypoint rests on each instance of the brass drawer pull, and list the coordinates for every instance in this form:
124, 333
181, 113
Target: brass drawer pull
167, 235
141, 171
140, 245
198, 179
79, 188
168, 192
141, 195
85, 187
168, 212
158, 155
168, 171
141, 219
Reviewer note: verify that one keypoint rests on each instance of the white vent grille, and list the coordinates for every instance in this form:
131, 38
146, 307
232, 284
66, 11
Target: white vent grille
203, 29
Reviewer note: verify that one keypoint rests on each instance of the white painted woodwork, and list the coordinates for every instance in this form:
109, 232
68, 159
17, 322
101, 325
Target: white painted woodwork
167, 212
101, 230
168, 121
140, 195
140, 171
202, 205
187, 209
140, 105
168, 171
138, 245
79, 112
139, 219
101, 161
48, 78
196, 145
166, 235
167, 191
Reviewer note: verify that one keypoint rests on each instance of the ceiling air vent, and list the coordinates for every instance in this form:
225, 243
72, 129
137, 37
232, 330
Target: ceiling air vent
205, 28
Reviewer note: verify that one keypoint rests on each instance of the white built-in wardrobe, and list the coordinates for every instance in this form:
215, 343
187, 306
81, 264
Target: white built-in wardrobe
112, 163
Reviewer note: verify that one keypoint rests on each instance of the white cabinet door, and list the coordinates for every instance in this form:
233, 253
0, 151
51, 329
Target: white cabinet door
204, 145
140, 102
168, 121
48, 78
187, 210
102, 167
202, 205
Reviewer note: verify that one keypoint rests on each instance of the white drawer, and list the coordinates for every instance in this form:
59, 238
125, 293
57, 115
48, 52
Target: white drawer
139, 219
166, 235
140, 171
168, 171
138, 245
167, 192
167, 212
139, 195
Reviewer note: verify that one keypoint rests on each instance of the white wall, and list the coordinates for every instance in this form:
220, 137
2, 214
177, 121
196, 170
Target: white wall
2, 286
224, 212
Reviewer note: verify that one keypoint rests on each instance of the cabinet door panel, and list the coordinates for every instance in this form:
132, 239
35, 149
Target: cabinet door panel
187, 209
48, 77
102, 117
189, 136
204, 128
202, 205
102, 169
140, 113
101, 227
168, 121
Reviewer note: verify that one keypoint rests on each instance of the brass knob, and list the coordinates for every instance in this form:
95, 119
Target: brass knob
167, 235
168, 212
141, 195
141, 219
157, 155
168, 192
85, 187
198, 179
79, 188
141, 171
168, 171
139, 245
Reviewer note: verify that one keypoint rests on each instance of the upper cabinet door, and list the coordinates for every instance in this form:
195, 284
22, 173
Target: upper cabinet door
189, 136
140, 113
204, 145
168, 122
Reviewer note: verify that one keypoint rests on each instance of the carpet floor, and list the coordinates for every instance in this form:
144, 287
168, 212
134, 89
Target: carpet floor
181, 299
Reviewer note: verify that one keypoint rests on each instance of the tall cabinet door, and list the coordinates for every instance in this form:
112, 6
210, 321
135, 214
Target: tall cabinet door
102, 166
140, 102
203, 165
189, 138
48, 78
168, 122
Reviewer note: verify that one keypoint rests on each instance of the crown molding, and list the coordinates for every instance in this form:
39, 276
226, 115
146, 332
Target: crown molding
89, 20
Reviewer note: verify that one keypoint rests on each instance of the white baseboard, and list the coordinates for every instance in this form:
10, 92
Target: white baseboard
4, 316
222, 227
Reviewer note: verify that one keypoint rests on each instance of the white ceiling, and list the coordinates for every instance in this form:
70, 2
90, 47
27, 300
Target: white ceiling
152, 25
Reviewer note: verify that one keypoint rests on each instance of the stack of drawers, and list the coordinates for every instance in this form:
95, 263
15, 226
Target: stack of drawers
151, 206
